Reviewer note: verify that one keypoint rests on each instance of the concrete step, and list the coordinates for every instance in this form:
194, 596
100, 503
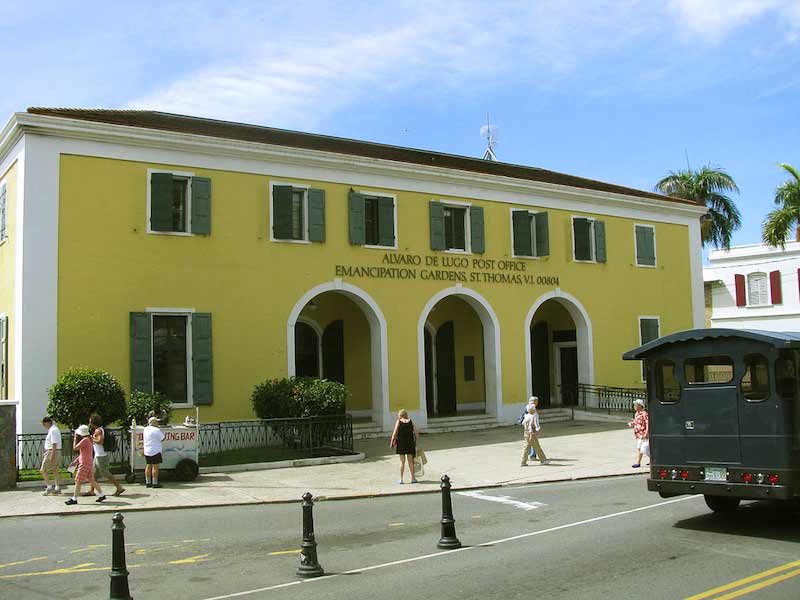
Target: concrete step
463, 423
363, 430
554, 415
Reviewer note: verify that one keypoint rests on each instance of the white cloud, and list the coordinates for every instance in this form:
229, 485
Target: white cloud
714, 19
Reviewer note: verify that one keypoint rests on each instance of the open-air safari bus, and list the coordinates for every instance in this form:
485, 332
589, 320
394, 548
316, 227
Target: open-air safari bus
724, 415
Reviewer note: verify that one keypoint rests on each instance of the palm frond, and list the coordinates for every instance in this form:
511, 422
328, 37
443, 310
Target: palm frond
778, 225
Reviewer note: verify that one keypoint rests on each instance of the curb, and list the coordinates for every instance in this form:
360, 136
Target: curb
72, 513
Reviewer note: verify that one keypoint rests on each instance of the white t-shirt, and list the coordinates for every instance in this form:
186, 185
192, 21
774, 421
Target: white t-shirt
53, 438
152, 438
98, 448
531, 423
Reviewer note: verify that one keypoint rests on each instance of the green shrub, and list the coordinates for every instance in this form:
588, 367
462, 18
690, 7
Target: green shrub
298, 397
80, 392
142, 405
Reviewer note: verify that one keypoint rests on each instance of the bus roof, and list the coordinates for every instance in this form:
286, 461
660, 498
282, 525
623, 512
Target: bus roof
773, 338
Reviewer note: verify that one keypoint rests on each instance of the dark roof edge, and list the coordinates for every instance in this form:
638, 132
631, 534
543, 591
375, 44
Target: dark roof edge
775, 339
312, 141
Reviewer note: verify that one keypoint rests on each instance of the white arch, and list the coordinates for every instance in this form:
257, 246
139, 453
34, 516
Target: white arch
491, 347
378, 342
583, 335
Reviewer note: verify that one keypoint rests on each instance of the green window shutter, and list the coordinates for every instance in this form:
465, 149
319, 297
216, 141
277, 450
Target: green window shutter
542, 234
202, 372
316, 215
600, 241
386, 221
645, 246
282, 212
141, 353
437, 225
581, 230
521, 225
201, 205
648, 328
476, 233
355, 209
161, 202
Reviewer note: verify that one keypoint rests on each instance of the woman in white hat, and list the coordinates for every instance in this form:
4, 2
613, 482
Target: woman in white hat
84, 473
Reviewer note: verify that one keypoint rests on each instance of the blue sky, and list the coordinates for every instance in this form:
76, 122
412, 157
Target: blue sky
619, 91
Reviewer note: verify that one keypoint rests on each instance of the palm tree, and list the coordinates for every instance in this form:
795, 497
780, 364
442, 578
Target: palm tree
707, 186
780, 221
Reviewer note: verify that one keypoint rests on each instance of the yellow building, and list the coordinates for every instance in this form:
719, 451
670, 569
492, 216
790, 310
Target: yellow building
199, 258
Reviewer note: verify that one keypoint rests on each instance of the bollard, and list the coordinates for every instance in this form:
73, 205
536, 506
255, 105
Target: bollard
448, 541
309, 567
119, 572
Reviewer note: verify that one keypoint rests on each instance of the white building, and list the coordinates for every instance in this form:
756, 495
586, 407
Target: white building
754, 287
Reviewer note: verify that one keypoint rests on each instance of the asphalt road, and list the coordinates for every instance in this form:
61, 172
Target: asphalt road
607, 538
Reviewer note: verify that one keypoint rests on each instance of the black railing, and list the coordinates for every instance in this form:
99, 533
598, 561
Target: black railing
309, 436
608, 398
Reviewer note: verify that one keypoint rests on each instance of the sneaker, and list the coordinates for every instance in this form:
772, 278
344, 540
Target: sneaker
119, 492
523, 464
56, 491
148, 484
71, 501
156, 485
47, 491
636, 466
414, 480
101, 498
399, 482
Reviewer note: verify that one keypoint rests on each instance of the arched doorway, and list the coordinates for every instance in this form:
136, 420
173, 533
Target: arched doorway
459, 351
350, 335
559, 349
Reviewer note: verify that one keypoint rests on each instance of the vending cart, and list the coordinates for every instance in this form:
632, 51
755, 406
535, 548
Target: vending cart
181, 453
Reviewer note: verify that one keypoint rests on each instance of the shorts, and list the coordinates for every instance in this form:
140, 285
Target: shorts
51, 459
154, 460
643, 445
101, 467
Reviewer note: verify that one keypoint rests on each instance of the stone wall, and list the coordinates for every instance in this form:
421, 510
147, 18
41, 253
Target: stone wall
8, 446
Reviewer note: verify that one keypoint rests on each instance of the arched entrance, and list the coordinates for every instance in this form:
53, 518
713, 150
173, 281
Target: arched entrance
338, 332
459, 355
558, 344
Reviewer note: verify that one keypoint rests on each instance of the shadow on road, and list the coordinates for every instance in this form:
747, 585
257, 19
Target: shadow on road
770, 520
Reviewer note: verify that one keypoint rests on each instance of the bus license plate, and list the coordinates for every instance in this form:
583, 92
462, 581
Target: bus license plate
716, 474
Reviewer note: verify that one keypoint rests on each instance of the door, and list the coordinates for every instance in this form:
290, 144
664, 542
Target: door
430, 401
446, 370
333, 352
540, 363
568, 362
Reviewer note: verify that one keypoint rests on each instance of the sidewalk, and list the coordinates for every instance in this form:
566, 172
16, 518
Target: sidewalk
491, 457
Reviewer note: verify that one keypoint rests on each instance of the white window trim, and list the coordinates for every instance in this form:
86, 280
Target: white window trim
372, 194
4, 184
188, 175
636, 249
650, 318
531, 213
467, 226
768, 303
591, 239
295, 186
172, 312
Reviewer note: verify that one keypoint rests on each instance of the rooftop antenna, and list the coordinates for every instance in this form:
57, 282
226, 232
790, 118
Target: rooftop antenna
490, 132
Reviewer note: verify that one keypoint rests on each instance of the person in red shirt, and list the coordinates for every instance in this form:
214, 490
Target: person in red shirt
641, 431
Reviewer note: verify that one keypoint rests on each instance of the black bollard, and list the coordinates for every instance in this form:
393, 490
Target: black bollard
309, 566
119, 572
448, 541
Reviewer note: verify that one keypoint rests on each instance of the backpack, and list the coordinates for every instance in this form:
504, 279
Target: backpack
109, 440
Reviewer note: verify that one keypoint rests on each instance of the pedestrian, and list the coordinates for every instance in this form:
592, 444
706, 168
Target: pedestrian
84, 473
641, 431
102, 446
405, 438
152, 437
531, 428
51, 460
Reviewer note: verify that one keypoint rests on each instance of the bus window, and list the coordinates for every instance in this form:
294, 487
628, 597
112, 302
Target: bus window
708, 369
667, 389
755, 381
786, 376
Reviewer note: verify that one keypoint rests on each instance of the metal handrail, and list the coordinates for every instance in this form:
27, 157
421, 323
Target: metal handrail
609, 398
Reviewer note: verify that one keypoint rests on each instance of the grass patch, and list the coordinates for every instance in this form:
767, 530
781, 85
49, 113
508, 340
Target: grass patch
245, 456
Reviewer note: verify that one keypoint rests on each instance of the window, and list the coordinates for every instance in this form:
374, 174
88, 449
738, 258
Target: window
755, 381
298, 213
645, 245
649, 330
179, 203
588, 240
786, 376
757, 289
708, 369
3, 213
667, 389
456, 227
529, 233
372, 220
171, 354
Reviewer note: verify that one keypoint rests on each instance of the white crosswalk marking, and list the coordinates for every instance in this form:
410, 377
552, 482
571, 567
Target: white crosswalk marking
508, 500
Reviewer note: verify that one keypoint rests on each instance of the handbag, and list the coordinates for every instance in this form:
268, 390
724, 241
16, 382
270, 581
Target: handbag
73, 466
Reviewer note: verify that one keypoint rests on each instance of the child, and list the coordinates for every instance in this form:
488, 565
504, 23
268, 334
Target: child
531, 428
85, 471
641, 431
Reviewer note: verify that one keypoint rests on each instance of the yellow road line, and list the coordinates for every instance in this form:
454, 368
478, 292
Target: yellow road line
189, 560
82, 568
88, 548
22, 562
396, 524
285, 552
760, 585
746, 580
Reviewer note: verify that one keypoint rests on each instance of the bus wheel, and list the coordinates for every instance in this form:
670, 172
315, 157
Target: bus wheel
722, 504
